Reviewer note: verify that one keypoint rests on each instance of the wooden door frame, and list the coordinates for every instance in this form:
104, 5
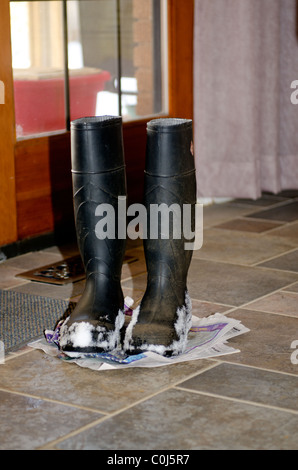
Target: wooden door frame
8, 212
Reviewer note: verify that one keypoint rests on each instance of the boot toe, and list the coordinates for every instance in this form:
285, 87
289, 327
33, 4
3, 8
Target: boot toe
92, 337
160, 339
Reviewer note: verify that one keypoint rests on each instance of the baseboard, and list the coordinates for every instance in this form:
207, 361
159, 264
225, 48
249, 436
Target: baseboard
34, 243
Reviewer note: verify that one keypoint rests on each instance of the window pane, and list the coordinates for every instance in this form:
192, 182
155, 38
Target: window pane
37, 54
92, 57
99, 32
144, 61
117, 61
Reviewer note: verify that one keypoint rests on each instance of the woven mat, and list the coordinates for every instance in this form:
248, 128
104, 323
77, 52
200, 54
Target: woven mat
24, 317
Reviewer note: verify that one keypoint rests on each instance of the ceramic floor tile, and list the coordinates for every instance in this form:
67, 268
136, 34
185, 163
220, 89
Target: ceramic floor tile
33, 260
199, 308
176, 419
249, 225
292, 288
219, 213
230, 284
204, 309
107, 391
225, 283
28, 423
148, 402
239, 247
287, 262
286, 232
8, 276
268, 344
284, 213
263, 201
63, 292
133, 269
137, 283
249, 384
47, 290
281, 303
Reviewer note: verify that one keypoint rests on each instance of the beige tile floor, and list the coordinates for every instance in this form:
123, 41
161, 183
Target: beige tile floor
247, 269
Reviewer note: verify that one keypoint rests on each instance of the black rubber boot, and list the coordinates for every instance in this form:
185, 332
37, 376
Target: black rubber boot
98, 178
163, 319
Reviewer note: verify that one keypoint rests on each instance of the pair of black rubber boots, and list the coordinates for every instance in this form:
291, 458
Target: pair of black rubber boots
162, 320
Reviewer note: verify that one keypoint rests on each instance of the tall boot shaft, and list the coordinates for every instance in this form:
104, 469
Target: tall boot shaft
96, 144
169, 150
98, 174
170, 179
162, 321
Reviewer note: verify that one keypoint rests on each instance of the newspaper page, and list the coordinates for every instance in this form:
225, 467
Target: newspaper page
208, 337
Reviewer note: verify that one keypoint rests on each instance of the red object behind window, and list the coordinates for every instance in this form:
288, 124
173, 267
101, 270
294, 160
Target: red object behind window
40, 104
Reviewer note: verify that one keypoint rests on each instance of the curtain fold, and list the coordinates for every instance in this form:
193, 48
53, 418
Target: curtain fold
245, 125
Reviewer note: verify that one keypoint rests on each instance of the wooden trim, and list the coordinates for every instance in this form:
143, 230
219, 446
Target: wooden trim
43, 179
180, 26
43, 185
8, 226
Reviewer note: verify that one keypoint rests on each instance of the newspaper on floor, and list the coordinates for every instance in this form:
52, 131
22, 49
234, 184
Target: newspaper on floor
207, 337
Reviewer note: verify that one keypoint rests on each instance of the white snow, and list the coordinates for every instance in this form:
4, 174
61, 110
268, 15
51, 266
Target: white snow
82, 334
182, 327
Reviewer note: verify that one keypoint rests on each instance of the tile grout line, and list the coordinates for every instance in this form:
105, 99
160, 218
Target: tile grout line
254, 265
136, 275
274, 257
277, 270
238, 400
290, 291
219, 261
281, 226
176, 386
260, 208
124, 279
245, 212
51, 400
250, 212
247, 304
14, 354
273, 313
125, 408
108, 414
250, 366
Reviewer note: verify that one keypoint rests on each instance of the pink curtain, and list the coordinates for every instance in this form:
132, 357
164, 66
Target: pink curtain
245, 124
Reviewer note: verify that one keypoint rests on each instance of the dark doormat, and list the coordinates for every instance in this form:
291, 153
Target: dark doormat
62, 272
24, 317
